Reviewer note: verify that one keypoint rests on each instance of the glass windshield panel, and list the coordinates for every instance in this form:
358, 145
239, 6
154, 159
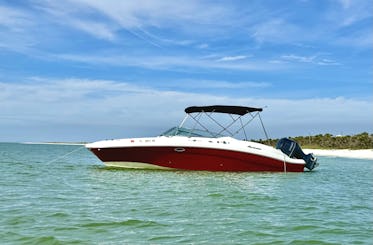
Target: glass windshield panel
189, 133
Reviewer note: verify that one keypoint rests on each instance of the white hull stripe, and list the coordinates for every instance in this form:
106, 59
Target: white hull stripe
135, 165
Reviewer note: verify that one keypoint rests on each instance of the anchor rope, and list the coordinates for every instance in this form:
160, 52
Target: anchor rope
65, 155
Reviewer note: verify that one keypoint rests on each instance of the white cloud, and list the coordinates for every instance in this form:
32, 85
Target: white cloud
345, 3
313, 59
77, 16
203, 46
14, 19
351, 12
133, 17
216, 84
46, 23
118, 109
360, 39
169, 62
232, 58
97, 29
131, 14
304, 59
337, 23
15, 25
277, 31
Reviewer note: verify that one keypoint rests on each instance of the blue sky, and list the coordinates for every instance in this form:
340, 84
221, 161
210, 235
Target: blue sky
84, 70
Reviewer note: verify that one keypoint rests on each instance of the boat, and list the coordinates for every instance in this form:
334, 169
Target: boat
200, 148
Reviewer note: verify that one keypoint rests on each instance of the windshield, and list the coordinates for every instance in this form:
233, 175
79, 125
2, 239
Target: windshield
190, 133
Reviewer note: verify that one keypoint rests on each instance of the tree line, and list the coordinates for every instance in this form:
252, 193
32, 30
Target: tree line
328, 141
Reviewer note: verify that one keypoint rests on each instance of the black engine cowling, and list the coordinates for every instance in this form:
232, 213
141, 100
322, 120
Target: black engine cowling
293, 150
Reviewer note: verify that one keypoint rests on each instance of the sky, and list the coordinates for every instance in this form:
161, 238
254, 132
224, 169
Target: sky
86, 70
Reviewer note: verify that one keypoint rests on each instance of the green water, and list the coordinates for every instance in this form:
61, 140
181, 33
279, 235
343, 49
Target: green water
76, 200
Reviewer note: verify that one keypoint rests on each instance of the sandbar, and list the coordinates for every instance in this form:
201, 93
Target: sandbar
360, 154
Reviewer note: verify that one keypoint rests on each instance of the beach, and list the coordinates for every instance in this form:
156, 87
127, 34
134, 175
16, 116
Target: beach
359, 154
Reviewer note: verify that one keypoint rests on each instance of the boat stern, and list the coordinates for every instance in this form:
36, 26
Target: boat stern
292, 149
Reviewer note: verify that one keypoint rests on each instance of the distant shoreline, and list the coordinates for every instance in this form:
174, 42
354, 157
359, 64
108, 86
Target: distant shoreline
328, 141
53, 143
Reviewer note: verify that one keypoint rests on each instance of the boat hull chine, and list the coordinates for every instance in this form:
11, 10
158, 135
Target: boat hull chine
135, 165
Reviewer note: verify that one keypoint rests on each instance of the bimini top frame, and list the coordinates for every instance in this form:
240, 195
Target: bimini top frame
232, 111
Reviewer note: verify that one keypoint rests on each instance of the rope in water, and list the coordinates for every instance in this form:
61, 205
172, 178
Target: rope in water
69, 153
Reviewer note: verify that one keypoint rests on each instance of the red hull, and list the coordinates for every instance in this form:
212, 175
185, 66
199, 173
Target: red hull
195, 159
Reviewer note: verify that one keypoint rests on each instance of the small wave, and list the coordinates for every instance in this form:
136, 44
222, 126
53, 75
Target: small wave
20, 220
306, 227
71, 228
50, 240
162, 238
334, 231
316, 242
215, 195
130, 222
255, 234
58, 215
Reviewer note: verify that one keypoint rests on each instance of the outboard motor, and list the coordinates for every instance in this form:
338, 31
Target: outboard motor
293, 150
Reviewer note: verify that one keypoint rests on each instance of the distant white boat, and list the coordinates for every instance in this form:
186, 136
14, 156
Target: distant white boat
198, 148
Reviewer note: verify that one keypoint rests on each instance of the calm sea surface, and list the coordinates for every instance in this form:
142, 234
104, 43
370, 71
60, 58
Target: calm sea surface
76, 200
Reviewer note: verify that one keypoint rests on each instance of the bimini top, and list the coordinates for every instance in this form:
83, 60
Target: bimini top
239, 110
